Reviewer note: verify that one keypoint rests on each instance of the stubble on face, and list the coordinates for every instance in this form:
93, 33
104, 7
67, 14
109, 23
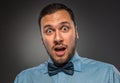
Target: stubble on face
67, 43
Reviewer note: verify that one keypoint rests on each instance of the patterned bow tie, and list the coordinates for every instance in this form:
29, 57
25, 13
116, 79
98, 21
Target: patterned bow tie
68, 69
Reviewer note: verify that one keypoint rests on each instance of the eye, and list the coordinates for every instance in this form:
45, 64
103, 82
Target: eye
65, 28
49, 31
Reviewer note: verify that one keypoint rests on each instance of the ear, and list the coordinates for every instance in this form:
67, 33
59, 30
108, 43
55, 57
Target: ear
41, 38
77, 36
76, 33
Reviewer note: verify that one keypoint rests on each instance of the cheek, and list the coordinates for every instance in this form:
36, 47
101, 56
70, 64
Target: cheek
69, 38
48, 42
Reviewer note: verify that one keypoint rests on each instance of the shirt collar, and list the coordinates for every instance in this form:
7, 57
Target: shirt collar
76, 60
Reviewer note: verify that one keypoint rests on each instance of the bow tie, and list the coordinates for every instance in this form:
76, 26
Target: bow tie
68, 69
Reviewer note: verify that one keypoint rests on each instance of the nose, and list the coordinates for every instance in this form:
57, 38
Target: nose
58, 38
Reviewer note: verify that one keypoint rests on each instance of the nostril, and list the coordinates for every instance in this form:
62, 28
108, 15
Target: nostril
58, 42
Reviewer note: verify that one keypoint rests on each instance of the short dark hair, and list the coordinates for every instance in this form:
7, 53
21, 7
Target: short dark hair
52, 8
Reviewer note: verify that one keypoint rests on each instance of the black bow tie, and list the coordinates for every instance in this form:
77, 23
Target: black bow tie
68, 69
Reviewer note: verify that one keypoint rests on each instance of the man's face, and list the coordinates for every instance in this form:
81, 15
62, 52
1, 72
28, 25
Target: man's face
59, 36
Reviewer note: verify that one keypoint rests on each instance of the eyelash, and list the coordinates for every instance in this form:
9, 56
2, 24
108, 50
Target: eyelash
46, 31
62, 29
66, 27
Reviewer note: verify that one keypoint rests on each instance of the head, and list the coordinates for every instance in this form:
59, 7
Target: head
59, 32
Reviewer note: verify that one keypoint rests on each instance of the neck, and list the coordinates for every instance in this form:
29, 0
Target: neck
60, 65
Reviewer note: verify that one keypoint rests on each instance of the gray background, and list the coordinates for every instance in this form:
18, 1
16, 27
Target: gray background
98, 24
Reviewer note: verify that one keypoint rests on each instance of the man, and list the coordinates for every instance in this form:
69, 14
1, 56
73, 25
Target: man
59, 35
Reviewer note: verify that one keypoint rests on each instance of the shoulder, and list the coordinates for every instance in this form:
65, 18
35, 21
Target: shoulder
100, 68
96, 65
32, 72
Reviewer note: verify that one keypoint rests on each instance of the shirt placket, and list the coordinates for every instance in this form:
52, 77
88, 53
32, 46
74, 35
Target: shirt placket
61, 77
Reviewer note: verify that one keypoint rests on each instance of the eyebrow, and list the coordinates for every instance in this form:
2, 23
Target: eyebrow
46, 26
65, 22
62, 23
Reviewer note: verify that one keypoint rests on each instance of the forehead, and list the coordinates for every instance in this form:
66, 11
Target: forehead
56, 18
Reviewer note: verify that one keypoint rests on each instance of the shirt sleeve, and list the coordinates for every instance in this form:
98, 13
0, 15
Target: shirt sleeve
114, 75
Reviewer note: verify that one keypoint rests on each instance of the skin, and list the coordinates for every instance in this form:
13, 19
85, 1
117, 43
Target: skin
58, 31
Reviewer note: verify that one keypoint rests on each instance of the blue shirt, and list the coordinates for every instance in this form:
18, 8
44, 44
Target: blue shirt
85, 71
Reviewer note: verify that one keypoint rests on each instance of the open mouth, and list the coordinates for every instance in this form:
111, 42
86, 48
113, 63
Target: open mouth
60, 51
59, 48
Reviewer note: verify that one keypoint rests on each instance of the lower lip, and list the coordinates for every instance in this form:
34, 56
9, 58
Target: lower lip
60, 53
